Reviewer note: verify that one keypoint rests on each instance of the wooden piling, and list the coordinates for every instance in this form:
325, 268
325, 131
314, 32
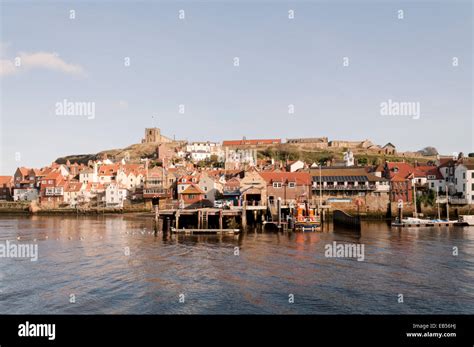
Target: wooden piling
244, 215
220, 220
279, 211
177, 219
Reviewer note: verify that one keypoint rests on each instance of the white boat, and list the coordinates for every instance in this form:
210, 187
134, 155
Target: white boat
465, 220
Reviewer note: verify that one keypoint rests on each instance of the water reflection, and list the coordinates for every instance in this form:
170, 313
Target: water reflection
86, 256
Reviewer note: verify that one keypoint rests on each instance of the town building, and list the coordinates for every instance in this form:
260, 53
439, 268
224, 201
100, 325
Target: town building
153, 135
350, 187
240, 158
464, 180
256, 142
115, 195
191, 196
290, 187
6, 185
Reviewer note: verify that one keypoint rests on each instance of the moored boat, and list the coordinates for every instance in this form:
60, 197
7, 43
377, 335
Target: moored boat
465, 220
306, 221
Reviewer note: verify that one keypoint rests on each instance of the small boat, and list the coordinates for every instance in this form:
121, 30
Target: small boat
465, 220
308, 221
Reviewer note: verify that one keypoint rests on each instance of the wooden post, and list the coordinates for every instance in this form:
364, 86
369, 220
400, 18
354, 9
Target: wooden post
199, 215
244, 214
177, 219
157, 217
220, 220
279, 211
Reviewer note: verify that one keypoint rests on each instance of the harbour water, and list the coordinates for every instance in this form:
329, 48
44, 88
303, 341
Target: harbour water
116, 264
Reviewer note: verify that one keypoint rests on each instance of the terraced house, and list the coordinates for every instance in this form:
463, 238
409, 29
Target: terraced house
290, 187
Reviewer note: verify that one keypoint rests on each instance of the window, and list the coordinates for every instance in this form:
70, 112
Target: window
276, 184
463, 175
472, 174
291, 184
472, 186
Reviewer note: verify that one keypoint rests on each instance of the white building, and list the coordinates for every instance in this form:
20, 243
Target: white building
115, 195
237, 158
295, 166
204, 150
73, 193
464, 181
435, 180
130, 179
89, 175
348, 158
210, 185
25, 194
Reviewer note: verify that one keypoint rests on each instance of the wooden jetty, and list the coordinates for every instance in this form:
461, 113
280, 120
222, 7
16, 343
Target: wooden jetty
205, 231
417, 223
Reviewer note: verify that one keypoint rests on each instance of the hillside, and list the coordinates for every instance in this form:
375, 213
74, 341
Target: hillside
285, 151
133, 152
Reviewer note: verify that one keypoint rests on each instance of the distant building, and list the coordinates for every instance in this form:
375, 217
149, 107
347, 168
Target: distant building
389, 149
308, 140
239, 158
153, 135
294, 166
199, 151
245, 142
348, 158
350, 144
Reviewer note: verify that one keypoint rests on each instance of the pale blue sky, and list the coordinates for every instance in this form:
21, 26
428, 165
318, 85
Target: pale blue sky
190, 62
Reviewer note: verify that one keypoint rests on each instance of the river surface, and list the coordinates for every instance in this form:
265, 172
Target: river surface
112, 265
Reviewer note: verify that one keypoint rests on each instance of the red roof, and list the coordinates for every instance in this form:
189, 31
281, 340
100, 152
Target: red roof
108, 170
73, 186
55, 175
7, 180
301, 178
434, 171
192, 189
400, 170
24, 171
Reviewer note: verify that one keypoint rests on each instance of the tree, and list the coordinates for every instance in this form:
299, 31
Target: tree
428, 151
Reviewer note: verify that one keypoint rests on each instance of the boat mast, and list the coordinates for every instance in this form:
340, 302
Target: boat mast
320, 190
437, 203
447, 203
414, 194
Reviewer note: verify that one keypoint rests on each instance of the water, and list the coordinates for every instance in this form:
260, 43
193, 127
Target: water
86, 257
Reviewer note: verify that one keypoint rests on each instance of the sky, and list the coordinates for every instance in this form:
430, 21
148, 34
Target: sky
191, 62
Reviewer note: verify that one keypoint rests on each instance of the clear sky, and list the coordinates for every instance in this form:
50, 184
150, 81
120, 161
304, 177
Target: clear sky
191, 62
